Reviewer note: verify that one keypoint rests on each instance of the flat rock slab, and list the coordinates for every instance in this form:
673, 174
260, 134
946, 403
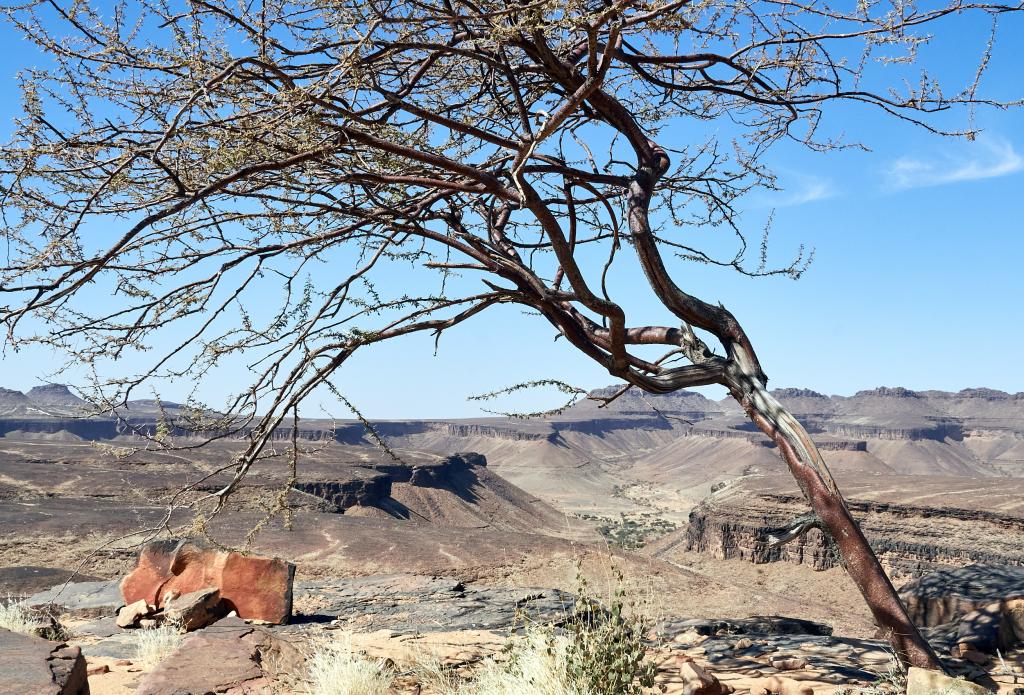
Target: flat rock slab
82, 599
30, 665
122, 645
756, 625
410, 603
100, 627
27, 580
228, 654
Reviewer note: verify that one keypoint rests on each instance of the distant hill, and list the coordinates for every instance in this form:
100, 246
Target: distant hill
682, 441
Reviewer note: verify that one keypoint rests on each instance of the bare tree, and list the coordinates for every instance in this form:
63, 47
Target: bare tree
176, 158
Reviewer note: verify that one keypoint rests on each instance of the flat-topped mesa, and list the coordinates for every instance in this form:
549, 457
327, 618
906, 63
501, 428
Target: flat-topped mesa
459, 429
371, 484
437, 473
53, 394
888, 392
939, 431
360, 487
797, 393
10, 397
842, 445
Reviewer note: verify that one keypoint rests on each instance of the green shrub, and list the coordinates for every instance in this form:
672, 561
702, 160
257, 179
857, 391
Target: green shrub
606, 651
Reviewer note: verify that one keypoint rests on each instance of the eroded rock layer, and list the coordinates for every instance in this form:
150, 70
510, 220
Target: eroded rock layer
915, 524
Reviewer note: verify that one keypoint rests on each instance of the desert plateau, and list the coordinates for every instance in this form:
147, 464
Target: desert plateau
472, 524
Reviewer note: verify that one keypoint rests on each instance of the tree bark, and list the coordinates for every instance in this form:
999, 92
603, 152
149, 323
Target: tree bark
808, 467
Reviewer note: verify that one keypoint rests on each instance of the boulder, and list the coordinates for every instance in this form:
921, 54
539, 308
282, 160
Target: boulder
986, 630
195, 610
1014, 612
698, 681
228, 654
944, 595
130, 615
924, 682
789, 663
33, 665
257, 588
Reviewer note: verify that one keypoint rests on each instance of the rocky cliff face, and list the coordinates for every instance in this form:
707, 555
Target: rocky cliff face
371, 486
909, 538
360, 487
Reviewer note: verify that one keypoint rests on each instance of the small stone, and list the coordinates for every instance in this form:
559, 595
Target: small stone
741, 644
130, 615
924, 682
123, 662
97, 670
789, 663
697, 681
147, 623
974, 656
688, 637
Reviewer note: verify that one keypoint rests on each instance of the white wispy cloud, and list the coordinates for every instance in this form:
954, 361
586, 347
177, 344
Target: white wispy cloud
807, 191
797, 189
986, 158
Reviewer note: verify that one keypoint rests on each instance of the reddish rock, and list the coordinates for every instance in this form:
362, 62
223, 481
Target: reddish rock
257, 588
97, 670
32, 665
196, 610
974, 657
228, 654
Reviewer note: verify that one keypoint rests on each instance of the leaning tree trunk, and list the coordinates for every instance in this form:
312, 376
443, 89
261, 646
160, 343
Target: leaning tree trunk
810, 471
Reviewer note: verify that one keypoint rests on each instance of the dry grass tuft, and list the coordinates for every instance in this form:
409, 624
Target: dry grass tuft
334, 668
16, 616
539, 665
154, 645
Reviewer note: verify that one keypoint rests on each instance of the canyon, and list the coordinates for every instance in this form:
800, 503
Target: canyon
679, 493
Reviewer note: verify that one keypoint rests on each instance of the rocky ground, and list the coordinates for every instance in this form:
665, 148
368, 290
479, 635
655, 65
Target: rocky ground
442, 553
406, 618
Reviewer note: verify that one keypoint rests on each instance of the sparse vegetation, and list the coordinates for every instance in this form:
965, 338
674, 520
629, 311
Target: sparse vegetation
891, 681
539, 664
631, 531
17, 617
598, 649
606, 651
334, 668
154, 645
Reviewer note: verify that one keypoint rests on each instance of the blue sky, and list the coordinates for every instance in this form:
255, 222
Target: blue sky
917, 280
